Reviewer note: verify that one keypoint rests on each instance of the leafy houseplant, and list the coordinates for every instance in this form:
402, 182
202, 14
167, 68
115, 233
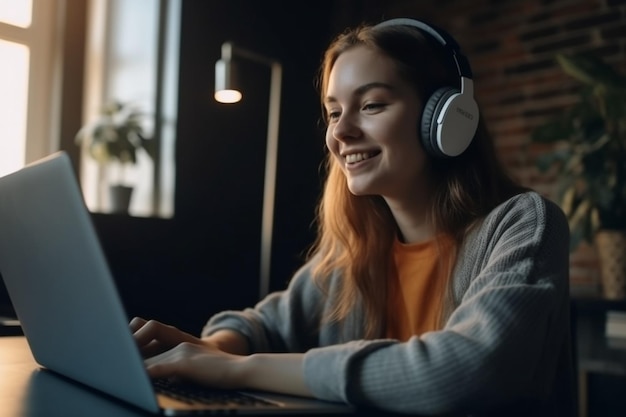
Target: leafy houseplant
589, 156
116, 135
114, 138
590, 151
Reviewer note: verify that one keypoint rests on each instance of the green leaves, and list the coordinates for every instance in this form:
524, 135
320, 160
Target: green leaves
591, 70
589, 149
116, 135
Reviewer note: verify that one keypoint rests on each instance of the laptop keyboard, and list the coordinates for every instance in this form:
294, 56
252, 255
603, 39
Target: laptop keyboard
193, 394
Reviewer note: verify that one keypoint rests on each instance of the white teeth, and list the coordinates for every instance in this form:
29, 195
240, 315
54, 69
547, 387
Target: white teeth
357, 157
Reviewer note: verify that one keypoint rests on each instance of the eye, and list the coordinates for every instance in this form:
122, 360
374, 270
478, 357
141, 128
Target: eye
332, 115
373, 107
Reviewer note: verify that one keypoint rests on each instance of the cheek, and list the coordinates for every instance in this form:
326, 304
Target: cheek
331, 143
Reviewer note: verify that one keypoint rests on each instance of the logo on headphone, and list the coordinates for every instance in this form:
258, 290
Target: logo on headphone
465, 113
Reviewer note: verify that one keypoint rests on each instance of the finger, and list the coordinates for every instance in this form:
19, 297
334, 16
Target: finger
168, 336
165, 364
152, 330
153, 348
160, 370
136, 323
147, 347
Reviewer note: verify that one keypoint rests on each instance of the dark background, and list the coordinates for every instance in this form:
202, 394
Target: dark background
206, 259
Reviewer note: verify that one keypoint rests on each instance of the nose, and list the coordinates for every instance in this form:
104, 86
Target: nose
345, 128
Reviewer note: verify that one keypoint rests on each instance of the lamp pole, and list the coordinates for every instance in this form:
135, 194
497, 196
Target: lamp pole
271, 156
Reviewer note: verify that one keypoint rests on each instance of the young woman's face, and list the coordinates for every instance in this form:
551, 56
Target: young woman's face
373, 117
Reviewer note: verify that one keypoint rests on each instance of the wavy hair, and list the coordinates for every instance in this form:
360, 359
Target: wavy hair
356, 233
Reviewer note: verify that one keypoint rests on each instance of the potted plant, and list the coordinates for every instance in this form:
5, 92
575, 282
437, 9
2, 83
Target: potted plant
589, 156
114, 139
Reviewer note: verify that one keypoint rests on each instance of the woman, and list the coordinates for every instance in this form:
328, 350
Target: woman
436, 284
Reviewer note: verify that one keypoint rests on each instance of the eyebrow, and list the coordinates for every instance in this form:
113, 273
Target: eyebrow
362, 90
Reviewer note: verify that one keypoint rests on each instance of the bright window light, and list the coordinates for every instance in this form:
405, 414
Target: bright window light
13, 104
16, 12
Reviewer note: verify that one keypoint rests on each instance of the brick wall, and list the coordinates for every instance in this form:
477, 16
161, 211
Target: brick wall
511, 46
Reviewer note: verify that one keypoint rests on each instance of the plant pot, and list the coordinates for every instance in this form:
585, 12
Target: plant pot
611, 248
119, 196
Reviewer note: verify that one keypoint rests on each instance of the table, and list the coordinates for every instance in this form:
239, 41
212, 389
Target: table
27, 390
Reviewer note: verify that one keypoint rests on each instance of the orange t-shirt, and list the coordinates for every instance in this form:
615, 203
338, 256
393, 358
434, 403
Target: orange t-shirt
415, 290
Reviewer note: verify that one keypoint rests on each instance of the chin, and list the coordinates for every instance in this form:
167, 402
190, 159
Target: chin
358, 191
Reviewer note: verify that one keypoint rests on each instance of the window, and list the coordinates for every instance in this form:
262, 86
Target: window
13, 102
28, 78
132, 58
17, 13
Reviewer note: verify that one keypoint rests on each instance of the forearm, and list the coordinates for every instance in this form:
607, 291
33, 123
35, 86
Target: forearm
276, 372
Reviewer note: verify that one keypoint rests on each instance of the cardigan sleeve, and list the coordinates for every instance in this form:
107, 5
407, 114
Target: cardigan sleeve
284, 321
499, 346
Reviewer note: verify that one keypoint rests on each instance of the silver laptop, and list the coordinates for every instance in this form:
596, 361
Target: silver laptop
63, 293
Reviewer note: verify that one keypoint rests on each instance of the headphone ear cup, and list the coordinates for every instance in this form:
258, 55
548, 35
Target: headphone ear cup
430, 113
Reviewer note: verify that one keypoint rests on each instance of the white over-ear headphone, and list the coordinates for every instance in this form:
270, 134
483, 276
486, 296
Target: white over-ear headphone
450, 115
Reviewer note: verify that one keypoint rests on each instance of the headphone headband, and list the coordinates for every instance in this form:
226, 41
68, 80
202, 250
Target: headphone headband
440, 35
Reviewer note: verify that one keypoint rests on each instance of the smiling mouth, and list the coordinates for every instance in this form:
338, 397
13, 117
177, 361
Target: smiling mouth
353, 158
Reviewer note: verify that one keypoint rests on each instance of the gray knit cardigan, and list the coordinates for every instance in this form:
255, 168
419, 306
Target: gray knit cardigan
505, 349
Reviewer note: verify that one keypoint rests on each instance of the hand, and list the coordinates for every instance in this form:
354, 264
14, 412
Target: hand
170, 352
203, 364
216, 360
154, 338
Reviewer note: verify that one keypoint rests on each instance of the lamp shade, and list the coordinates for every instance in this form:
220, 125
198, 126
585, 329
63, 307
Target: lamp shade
226, 83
